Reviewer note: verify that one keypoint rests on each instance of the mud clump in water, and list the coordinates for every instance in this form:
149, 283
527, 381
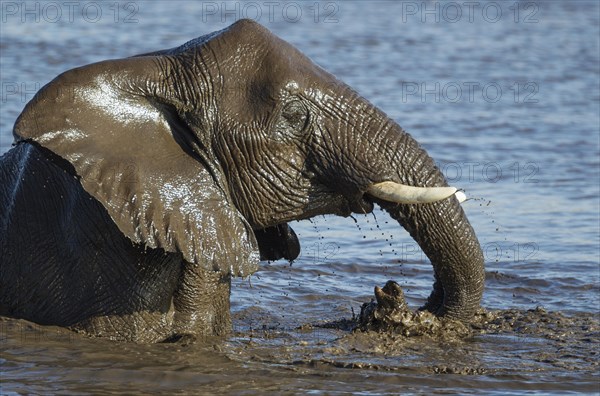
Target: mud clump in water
389, 313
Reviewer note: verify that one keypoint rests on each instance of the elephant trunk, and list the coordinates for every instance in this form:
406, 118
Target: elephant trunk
441, 228
444, 234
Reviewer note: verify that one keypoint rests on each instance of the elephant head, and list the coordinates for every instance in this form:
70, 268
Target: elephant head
200, 148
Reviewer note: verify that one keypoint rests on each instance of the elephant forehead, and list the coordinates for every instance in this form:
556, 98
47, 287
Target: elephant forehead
254, 64
255, 95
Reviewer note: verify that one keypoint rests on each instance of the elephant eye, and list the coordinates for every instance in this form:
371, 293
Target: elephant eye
294, 117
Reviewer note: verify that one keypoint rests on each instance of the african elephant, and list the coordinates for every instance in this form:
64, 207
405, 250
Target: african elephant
138, 187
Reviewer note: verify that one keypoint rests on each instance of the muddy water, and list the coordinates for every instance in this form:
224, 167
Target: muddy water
505, 97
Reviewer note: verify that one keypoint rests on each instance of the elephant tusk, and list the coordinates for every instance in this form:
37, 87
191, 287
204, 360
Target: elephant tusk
400, 193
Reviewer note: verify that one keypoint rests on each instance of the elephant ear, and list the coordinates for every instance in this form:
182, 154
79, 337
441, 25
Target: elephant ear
129, 145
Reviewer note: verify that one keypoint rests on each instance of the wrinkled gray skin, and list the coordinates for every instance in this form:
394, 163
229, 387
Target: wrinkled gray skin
138, 187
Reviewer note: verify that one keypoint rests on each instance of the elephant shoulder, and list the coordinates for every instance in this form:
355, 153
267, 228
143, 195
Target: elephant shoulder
176, 211
36, 198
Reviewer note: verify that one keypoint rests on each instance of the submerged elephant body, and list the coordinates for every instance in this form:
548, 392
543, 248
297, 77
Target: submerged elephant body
138, 187
65, 262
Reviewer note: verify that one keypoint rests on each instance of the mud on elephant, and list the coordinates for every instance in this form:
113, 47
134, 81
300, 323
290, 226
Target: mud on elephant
138, 187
